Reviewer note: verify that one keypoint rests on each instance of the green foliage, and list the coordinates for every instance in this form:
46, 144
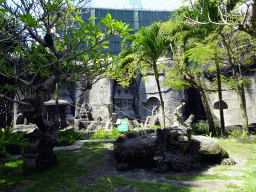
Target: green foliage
190, 52
199, 129
102, 134
156, 127
76, 51
68, 137
175, 80
11, 143
229, 81
235, 133
146, 47
29, 20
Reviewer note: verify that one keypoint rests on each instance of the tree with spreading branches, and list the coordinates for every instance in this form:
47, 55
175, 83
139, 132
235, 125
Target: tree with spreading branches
146, 47
57, 45
237, 15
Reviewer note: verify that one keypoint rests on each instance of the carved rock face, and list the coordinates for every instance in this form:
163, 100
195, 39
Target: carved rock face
166, 149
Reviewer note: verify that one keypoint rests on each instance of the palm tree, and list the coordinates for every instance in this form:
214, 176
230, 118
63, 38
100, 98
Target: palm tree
145, 49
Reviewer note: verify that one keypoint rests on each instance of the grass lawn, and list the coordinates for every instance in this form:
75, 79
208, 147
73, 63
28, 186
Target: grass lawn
63, 176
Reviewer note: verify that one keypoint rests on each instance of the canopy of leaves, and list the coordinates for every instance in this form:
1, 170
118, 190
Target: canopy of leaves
141, 52
70, 49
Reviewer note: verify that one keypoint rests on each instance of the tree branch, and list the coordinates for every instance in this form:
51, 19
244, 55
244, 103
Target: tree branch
15, 101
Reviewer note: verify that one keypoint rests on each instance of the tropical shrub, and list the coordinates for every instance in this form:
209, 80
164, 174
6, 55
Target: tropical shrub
199, 129
68, 137
11, 143
102, 134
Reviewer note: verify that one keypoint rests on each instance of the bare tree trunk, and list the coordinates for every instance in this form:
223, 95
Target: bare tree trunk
241, 101
159, 90
56, 119
239, 89
222, 123
208, 112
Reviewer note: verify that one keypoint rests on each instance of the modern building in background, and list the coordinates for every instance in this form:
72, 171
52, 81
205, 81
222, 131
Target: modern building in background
136, 18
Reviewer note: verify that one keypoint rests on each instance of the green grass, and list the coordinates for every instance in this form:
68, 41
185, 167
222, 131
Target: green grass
109, 183
233, 186
96, 157
64, 175
61, 176
201, 177
248, 147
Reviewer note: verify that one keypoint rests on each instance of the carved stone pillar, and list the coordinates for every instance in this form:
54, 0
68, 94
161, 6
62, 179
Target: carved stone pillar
31, 153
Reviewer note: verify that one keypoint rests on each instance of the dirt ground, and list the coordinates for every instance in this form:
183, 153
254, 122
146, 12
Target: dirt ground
149, 175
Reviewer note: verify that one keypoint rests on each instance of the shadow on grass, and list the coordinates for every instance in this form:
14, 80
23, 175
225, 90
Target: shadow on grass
63, 175
95, 157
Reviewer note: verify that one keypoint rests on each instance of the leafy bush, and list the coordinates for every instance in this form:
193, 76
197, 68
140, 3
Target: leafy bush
235, 133
156, 127
199, 129
11, 143
218, 131
102, 134
115, 133
68, 137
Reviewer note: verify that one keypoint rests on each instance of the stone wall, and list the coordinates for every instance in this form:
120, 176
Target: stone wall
124, 101
232, 113
95, 95
149, 96
137, 101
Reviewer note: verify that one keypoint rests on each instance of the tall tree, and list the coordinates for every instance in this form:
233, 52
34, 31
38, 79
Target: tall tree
227, 15
204, 51
146, 47
69, 53
239, 49
237, 14
185, 74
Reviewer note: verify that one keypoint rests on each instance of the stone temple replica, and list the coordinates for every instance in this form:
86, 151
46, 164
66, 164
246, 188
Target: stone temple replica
99, 103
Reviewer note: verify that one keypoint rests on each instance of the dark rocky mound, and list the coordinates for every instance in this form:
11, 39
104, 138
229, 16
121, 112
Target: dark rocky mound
169, 149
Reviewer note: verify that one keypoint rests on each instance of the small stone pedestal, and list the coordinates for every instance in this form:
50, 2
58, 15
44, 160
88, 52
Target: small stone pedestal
31, 153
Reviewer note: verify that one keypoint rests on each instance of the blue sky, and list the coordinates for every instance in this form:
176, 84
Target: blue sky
145, 4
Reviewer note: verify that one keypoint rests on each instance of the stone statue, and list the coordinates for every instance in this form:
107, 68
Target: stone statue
20, 119
178, 114
84, 112
154, 111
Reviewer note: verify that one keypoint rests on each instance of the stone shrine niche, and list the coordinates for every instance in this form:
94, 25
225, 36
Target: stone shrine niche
152, 102
217, 105
124, 101
65, 103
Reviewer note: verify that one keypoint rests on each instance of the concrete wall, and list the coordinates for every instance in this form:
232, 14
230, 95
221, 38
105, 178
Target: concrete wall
232, 114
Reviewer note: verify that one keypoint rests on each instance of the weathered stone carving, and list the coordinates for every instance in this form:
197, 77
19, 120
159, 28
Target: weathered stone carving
31, 153
155, 110
48, 136
167, 149
84, 112
178, 114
